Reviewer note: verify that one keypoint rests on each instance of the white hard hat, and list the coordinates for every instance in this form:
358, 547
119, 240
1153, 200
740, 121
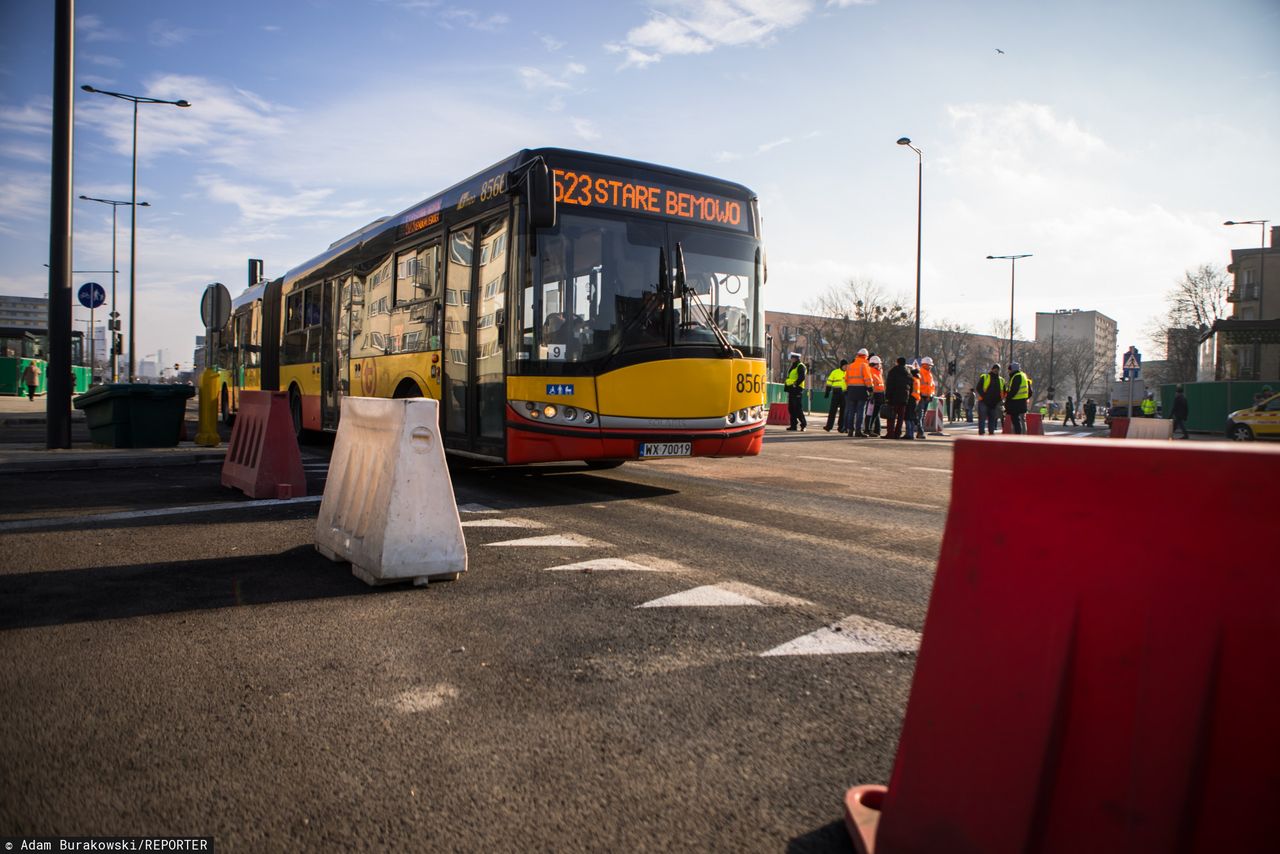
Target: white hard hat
794, 356
875, 360
862, 352
927, 360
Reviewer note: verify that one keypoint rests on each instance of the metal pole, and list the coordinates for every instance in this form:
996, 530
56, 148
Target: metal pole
58, 372
1013, 269
93, 350
919, 226
133, 245
1053, 327
115, 306
1262, 279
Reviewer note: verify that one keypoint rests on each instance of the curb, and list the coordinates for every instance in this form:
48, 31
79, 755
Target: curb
108, 462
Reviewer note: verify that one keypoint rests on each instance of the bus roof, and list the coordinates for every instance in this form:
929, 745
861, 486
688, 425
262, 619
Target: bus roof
248, 296
385, 229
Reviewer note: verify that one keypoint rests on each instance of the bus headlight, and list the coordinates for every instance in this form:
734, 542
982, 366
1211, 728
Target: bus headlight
557, 413
569, 413
549, 410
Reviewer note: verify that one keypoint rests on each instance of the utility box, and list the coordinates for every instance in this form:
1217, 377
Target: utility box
135, 415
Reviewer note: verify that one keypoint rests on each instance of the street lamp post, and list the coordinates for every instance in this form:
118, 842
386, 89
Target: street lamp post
919, 210
115, 306
133, 207
1262, 260
1013, 270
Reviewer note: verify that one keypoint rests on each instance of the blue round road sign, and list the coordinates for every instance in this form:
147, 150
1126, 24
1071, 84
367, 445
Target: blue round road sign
92, 295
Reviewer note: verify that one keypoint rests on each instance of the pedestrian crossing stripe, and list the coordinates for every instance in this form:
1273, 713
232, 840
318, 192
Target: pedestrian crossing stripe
608, 564
853, 634
490, 522
562, 540
475, 508
726, 594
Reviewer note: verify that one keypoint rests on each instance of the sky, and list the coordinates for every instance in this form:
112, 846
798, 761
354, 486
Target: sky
1110, 139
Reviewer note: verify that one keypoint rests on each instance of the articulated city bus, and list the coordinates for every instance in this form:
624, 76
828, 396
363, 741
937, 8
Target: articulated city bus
634, 328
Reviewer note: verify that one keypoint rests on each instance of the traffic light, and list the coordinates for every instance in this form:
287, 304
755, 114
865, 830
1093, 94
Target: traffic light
951, 368
117, 345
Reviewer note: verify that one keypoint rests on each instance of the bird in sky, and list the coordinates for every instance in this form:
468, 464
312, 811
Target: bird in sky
998, 50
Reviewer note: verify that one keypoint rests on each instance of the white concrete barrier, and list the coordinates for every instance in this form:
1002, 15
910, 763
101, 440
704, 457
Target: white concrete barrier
1149, 428
388, 504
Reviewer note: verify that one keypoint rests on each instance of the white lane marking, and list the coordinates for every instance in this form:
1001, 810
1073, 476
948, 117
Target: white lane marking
608, 564
424, 699
926, 468
875, 499
566, 540
54, 521
475, 508
823, 459
1057, 432
853, 634
501, 523
728, 593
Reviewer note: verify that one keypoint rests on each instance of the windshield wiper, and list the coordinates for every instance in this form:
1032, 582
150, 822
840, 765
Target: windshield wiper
685, 292
649, 307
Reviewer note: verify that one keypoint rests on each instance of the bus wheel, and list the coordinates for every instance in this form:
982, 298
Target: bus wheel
295, 410
601, 465
407, 388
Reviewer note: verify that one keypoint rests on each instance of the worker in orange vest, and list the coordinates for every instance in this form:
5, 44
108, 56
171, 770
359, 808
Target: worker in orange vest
927, 391
857, 391
913, 406
877, 395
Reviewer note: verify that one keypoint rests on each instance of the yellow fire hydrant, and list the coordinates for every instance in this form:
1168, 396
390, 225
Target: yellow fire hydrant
208, 432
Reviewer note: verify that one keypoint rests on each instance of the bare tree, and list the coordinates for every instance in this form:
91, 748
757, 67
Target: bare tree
1197, 301
859, 314
950, 342
1079, 365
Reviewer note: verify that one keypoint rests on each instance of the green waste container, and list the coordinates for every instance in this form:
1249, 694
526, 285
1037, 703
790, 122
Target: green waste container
135, 415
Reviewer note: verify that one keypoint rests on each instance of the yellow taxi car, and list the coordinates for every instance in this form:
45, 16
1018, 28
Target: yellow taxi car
1261, 421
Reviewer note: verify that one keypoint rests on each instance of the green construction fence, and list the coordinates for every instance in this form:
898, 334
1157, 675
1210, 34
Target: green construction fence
1209, 404
12, 368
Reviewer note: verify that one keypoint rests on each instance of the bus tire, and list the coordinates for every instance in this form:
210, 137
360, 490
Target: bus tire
407, 388
295, 410
224, 404
602, 465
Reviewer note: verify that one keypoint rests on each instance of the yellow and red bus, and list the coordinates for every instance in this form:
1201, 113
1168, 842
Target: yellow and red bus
560, 305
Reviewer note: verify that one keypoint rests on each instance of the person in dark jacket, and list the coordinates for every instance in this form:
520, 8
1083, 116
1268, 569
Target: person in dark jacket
1070, 413
1090, 412
897, 391
1181, 412
990, 393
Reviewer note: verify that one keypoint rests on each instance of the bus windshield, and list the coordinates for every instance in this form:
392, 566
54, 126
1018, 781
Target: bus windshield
601, 286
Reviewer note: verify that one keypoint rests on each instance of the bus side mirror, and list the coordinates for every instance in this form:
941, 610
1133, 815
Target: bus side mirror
541, 197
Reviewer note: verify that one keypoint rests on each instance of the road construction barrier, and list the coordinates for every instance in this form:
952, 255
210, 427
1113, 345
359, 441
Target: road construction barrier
263, 460
1035, 424
1118, 703
779, 413
388, 504
1149, 428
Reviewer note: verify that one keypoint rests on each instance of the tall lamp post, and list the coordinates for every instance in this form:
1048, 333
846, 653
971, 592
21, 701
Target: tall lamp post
133, 207
919, 210
1262, 259
114, 325
1013, 271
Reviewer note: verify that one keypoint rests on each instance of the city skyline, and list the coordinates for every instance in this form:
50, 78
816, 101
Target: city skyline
1111, 143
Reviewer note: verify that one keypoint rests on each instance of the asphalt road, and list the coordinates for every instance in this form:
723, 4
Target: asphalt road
209, 673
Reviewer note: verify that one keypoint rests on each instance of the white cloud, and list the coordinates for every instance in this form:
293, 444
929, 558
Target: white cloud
535, 79
24, 196
34, 117
258, 206
454, 16
844, 4
91, 29
585, 128
682, 27
1018, 141
763, 148
161, 33
551, 43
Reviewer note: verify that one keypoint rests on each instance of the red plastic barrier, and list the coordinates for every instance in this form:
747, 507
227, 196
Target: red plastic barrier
1035, 424
779, 413
1118, 701
263, 460
1119, 427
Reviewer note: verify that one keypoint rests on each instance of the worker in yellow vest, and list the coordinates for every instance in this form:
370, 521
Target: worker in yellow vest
795, 384
835, 394
1148, 406
857, 382
1015, 402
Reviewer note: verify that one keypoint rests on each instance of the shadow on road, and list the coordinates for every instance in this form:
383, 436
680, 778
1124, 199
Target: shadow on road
111, 593
829, 837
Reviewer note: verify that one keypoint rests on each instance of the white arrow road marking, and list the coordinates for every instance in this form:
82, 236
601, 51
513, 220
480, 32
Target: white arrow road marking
501, 523
608, 564
475, 508
926, 468
424, 699
566, 540
726, 594
850, 635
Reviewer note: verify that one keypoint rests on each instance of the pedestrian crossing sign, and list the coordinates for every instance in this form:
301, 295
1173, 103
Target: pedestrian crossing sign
1131, 363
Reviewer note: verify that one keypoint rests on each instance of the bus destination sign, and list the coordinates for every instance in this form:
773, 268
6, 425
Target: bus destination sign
592, 190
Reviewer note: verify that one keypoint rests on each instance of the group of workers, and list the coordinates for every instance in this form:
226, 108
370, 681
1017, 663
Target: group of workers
861, 394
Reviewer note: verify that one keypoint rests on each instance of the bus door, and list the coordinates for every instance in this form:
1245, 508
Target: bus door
330, 344
473, 389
